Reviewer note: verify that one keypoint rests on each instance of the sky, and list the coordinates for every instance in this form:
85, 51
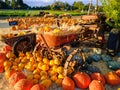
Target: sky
48, 2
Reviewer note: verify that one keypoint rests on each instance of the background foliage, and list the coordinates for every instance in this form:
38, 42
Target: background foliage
112, 10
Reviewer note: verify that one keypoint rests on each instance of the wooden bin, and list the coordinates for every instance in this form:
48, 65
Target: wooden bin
57, 40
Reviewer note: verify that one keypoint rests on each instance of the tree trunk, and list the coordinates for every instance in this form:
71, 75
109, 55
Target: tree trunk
90, 7
96, 7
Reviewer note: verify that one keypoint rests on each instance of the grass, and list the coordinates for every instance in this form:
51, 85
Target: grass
35, 12
17, 12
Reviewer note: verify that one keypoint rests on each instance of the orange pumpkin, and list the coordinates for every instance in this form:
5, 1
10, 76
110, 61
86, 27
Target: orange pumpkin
1, 67
118, 72
99, 77
112, 78
96, 85
6, 49
82, 80
15, 77
8, 73
23, 84
2, 57
68, 84
38, 87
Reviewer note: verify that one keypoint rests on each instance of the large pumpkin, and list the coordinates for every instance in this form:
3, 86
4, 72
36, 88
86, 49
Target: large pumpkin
38, 87
15, 77
23, 84
99, 77
96, 85
118, 72
68, 84
82, 80
112, 78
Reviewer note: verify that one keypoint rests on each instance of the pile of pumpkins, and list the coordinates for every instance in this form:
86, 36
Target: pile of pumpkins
31, 22
19, 80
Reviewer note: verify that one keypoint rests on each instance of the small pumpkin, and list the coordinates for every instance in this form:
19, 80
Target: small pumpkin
93, 69
23, 84
8, 73
6, 49
118, 72
96, 57
99, 77
82, 79
2, 57
114, 65
15, 77
38, 87
96, 85
68, 84
106, 58
46, 82
1, 67
112, 78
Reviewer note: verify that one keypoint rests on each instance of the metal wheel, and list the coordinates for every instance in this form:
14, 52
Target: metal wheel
22, 45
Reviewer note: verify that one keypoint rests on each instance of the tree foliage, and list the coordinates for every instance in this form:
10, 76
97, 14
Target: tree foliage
4, 5
112, 10
14, 4
60, 6
78, 5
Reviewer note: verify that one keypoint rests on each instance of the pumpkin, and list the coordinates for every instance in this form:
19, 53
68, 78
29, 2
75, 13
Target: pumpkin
1, 67
46, 82
2, 57
106, 58
89, 59
15, 77
114, 65
97, 50
93, 69
8, 73
6, 49
23, 84
68, 84
96, 85
118, 72
82, 79
96, 57
99, 77
38, 87
112, 78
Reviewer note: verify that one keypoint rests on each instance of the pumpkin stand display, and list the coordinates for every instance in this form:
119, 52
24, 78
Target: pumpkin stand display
46, 72
67, 68
71, 63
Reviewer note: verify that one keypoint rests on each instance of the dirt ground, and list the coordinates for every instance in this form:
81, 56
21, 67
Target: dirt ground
4, 85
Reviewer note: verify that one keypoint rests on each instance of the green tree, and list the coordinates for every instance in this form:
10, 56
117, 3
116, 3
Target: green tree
3, 5
7, 2
13, 4
20, 2
60, 6
112, 10
78, 5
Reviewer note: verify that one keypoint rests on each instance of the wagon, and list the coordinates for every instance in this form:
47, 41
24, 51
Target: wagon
22, 43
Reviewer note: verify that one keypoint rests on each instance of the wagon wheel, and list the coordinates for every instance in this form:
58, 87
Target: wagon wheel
22, 45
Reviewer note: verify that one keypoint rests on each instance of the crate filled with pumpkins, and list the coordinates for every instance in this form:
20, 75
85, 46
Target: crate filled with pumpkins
35, 71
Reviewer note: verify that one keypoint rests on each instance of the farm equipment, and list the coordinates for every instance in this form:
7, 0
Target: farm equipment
22, 43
